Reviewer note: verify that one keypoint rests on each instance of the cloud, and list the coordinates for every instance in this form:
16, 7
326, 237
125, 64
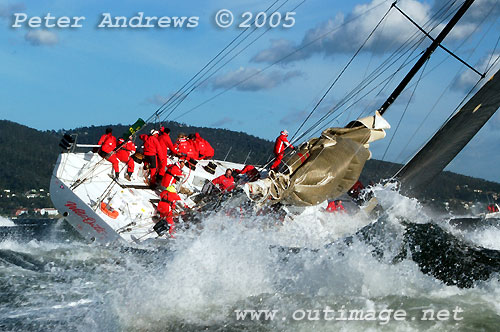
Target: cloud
222, 122
468, 78
41, 37
476, 13
346, 32
252, 79
159, 100
6, 10
294, 117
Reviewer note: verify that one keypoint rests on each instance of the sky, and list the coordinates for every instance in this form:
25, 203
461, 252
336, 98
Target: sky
95, 74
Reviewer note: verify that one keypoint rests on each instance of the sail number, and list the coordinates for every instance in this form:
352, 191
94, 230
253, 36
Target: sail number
225, 18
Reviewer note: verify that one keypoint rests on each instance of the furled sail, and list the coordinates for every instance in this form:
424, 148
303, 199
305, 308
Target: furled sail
452, 137
324, 167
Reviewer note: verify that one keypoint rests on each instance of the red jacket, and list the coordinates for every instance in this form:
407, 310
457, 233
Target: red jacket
166, 142
332, 207
125, 149
169, 179
167, 200
356, 189
183, 146
281, 144
107, 143
250, 171
224, 183
204, 148
151, 145
194, 147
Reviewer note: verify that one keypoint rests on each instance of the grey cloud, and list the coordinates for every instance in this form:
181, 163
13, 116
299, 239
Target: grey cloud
468, 78
159, 100
345, 33
253, 79
6, 10
41, 37
224, 121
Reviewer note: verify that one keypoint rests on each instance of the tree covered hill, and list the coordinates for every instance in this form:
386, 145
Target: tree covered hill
29, 156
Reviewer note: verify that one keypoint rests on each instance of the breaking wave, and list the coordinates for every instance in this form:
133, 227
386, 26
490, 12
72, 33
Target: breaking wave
204, 275
4, 222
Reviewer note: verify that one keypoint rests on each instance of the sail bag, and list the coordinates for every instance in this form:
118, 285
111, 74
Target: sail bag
324, 167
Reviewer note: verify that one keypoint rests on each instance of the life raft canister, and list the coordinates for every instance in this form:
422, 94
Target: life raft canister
109, 211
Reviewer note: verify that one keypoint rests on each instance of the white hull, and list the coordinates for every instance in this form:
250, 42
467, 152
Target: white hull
135, 203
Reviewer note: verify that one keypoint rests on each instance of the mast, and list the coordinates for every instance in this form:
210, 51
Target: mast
435, 44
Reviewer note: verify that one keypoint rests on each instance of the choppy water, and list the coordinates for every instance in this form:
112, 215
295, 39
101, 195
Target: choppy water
51, 280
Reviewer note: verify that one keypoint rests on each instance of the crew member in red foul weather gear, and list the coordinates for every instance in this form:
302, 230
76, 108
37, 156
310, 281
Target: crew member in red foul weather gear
192, 141
108, 145
125, 150
173, 174
225, 182
250, 171
279, 148
165, 140
151, 148
335, 206
161, 156
184, 147
355, 192
166, 207
205, 150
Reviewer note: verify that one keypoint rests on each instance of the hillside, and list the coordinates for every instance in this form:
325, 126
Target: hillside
29, 156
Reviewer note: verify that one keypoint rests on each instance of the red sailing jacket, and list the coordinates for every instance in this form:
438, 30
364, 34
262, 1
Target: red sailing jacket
281, 144
167, 200
184, 146
194, 147
332, 207
166, 142
151, 145
204, 148
107, 143
224, 183
169, 178
250, 171
125, 150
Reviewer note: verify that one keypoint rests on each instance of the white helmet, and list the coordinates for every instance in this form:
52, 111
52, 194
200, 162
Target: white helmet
284, 132
154, 132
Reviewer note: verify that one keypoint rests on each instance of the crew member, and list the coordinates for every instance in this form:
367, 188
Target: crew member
151, 148
335, 206
173, 174
192, 141
108, 145
225, 182
205, 150
161, 156
165, 140
166, 207
355, 192
250, 171
279, 148
183, 147
125, 150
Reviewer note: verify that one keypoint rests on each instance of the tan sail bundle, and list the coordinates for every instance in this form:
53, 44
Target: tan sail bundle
322, 168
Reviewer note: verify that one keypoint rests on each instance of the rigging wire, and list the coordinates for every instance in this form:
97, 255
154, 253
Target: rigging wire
404, 112
440, 14
343, 70
451, 82
360, 86
195, 84
281, 59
